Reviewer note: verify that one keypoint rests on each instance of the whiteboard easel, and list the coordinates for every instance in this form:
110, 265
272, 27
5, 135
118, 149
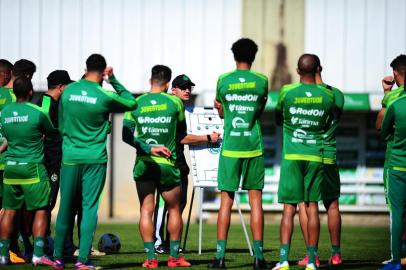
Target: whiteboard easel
204, 161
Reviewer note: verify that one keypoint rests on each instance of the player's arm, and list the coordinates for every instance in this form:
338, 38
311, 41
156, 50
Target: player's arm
387, 84
379, 118
4, 145
199, 139
122, 100
387, 123
217, 101
46, 124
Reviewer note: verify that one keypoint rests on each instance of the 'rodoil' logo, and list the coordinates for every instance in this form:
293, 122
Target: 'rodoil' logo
301, 111
235, 97
238, 122
154, 120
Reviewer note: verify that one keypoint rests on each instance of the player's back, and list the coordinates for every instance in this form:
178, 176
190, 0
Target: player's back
242, 94
23, 124
157, 116
307, 110
84, 122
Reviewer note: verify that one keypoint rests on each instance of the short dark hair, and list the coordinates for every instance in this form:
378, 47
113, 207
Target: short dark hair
399, 64
22, 87
96, 62
24, 67
244, 50
160, 74
5, 65
308, 64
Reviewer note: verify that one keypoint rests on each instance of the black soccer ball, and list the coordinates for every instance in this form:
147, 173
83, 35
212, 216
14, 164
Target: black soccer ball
109, 243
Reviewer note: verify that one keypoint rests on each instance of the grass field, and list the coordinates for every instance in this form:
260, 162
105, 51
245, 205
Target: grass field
362, 248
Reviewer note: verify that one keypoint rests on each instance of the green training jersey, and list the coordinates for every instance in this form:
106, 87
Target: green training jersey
84, 110
242, 94
394, 129
307, 114
330, 143
388, 98
23, 125
155, 121
6, 96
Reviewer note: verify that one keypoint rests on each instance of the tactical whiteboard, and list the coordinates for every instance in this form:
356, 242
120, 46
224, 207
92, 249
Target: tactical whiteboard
204, 158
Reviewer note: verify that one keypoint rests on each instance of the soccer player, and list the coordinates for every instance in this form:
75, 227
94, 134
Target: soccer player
305, 109
21, 68
182, 87
240, 98
57, 81
5, 71
393, 130
330, 189
25, 178
156, 120
84, 109
399, 71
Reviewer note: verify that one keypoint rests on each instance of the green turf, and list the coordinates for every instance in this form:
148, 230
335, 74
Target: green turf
362, 247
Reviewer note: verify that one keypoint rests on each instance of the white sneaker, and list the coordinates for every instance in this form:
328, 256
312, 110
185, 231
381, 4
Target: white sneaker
387, 261
311, 266
93, 252
41, 261
281, 266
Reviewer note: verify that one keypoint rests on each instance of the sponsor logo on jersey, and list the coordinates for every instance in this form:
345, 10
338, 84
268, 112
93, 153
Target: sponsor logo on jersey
154, 130
83, 98
235, 97
241, 79
154, 120
301, 134
154, 108
301, 111
241, 85
304, 122
151, 141
247, 133
238, 122
16, 118
235, 134
308, 100
240, 108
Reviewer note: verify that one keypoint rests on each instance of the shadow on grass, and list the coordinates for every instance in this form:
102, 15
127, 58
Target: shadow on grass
229, 250
352, 264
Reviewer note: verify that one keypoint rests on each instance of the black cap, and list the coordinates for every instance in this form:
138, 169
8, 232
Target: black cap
182, 80
57, 77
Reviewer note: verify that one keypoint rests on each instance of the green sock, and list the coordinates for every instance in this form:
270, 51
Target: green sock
150, 250
221, 248
284, 252
174, 248
311, 254
39, 246
258, 249
335, 250
4, 245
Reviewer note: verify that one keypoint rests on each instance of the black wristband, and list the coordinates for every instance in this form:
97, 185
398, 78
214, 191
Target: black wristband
208, 138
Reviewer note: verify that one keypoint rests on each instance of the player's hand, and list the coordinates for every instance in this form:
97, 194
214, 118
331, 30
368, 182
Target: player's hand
387, 83
217, 104
108, 72
161, 151
215, 137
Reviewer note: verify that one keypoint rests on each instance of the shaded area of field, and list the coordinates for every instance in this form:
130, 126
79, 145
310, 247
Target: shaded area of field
362, 247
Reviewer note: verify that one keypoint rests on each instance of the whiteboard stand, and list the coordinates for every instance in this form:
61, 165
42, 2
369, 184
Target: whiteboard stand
204, 161
237, 202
